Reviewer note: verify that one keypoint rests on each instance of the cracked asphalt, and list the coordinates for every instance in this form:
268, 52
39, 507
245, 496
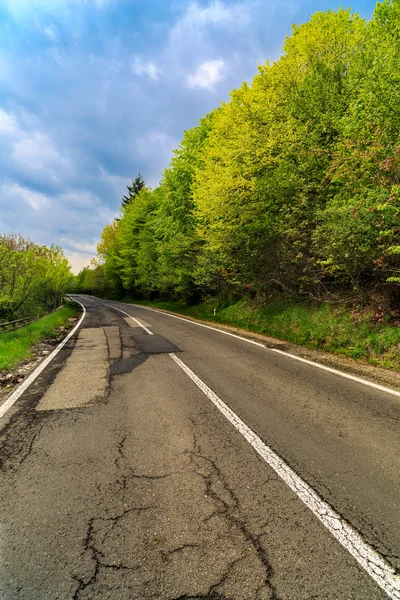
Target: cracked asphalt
144, 490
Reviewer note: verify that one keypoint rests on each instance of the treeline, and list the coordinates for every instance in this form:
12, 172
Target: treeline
33, 278
292, 188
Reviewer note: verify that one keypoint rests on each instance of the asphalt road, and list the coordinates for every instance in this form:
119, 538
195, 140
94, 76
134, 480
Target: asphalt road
121, 479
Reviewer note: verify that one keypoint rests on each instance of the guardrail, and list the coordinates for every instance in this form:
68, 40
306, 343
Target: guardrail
13, 324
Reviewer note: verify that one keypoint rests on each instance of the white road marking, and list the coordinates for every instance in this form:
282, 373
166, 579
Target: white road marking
381, 571
194, 323
336, 372
27, 382
130, 316
371, 561
292, 356
134, 322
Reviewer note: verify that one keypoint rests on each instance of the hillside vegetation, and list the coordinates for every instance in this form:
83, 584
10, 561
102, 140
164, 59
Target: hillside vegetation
291, 190
320, 326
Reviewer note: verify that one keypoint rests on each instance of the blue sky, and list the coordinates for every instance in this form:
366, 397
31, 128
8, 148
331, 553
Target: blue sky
94, 91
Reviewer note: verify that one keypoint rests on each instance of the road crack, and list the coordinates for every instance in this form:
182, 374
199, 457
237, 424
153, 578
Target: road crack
18, 442
128, 472
228, 507
95, 540
97, 555
166, 555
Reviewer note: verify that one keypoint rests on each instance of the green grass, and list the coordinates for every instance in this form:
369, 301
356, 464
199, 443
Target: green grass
316, 326
15, 346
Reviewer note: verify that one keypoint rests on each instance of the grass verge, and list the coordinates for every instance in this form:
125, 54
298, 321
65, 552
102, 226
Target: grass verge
15, 346
318, 326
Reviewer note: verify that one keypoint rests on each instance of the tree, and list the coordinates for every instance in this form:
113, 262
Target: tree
33, 278
174, 222
291, 188
58, 276
93, 282
365, 170
108, 256
137, 246
133, 191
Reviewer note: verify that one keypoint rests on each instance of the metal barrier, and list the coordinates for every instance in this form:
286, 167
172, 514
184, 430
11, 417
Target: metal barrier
13, 324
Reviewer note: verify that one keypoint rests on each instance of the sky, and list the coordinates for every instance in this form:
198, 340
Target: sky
93, 92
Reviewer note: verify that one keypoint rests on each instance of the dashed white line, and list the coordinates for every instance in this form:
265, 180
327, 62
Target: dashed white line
371, 561
276, 350
25, 384
380, 571
130, 316
161, 312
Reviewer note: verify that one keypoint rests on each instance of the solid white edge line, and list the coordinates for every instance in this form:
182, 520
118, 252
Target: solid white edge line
380, 571
336, 372
312, 363
193, 322
133, 318
27, 382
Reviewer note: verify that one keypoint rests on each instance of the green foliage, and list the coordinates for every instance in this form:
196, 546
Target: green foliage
291, 188
33, 278
15, 346
320, 326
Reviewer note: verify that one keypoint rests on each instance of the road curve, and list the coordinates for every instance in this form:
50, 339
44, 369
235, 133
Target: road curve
121, 478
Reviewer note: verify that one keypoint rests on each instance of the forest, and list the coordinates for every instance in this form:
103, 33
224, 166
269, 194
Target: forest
289, 190
33, 278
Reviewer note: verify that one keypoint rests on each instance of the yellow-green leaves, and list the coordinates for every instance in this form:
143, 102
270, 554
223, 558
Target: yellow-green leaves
292, 186
33, 278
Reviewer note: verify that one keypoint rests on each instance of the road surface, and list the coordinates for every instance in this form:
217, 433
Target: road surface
127, 473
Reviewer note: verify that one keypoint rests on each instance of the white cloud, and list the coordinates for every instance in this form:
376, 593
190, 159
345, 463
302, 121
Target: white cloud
207, 75
35, 155
78, 261
191, 33
204, 31
115, 181
8, 124
141, 67
78, 199
37, 151
82, 247
23, 9
93, 128
215, 13
156, 146
30, 151
36, 200
155, 143
51, 32
26, 10
100, 3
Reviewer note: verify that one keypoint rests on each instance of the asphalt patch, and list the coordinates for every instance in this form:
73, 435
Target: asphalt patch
152, 344
126, 365
146, 344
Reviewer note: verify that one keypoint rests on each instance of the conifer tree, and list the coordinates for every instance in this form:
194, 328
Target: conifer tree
133, 190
